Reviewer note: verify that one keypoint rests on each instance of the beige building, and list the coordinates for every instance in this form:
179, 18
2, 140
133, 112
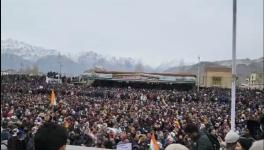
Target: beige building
256, 80
218, 77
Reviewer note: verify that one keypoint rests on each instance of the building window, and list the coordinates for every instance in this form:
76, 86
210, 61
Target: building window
217, 81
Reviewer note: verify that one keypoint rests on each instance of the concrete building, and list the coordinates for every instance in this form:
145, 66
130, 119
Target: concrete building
218, 77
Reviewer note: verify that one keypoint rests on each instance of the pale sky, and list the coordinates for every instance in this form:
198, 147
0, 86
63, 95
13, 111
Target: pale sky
154, 31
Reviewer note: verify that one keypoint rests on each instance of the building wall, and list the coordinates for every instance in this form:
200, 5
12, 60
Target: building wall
256, 80
226, 79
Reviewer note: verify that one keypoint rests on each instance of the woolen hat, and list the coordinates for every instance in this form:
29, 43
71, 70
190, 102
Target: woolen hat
231, 137
176, 147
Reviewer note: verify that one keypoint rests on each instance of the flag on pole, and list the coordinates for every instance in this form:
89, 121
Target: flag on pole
53, 99
153, 143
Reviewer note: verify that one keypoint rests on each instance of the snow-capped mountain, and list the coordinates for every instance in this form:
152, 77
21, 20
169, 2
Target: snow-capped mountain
168, 64
91, 59
49, 59
24, 50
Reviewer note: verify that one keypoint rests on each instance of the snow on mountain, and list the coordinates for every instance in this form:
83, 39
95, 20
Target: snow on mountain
26, 51
166, 65
172, 63
91, 59
246, 61
74, 63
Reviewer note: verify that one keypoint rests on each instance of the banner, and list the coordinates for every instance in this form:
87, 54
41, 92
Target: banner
127, 146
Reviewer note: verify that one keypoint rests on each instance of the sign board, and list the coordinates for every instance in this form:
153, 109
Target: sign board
127, 146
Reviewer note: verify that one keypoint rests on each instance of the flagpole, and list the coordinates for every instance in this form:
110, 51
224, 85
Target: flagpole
233, 90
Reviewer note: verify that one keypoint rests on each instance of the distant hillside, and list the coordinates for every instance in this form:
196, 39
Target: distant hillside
244, 67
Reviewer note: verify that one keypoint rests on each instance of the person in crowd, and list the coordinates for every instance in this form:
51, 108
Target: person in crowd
176, 147
260, 143
50, 136
243, 144
15, 142
200, 140
231, 140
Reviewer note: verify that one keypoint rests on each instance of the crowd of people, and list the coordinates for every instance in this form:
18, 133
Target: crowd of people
107, 116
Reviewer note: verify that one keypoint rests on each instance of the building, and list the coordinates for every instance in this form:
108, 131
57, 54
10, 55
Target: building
256, 80
53, 80
141, 76
139, 79
218, 77
8, 72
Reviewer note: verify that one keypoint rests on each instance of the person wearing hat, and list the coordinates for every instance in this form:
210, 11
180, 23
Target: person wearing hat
176, 147
231, 140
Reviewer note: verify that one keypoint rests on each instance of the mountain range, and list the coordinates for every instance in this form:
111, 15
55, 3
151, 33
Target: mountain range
19, 55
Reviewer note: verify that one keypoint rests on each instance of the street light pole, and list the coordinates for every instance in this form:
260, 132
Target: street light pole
233, 90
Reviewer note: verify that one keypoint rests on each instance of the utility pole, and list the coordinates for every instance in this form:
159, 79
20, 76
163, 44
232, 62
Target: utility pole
60, 65
233, 90
198, 74
59, 61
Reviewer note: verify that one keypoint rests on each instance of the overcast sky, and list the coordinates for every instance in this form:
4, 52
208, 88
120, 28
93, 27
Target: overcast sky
154, 31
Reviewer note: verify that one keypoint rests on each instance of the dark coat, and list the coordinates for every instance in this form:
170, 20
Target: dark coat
15, 144
202, 143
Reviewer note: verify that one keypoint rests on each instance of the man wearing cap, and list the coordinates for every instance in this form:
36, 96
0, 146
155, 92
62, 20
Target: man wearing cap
176, 147
231, 140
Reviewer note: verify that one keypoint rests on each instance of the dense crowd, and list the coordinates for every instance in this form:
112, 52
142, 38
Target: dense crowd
107, 116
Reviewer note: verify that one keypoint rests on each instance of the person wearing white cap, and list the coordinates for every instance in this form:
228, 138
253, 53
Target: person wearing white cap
231, 139
176, 147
